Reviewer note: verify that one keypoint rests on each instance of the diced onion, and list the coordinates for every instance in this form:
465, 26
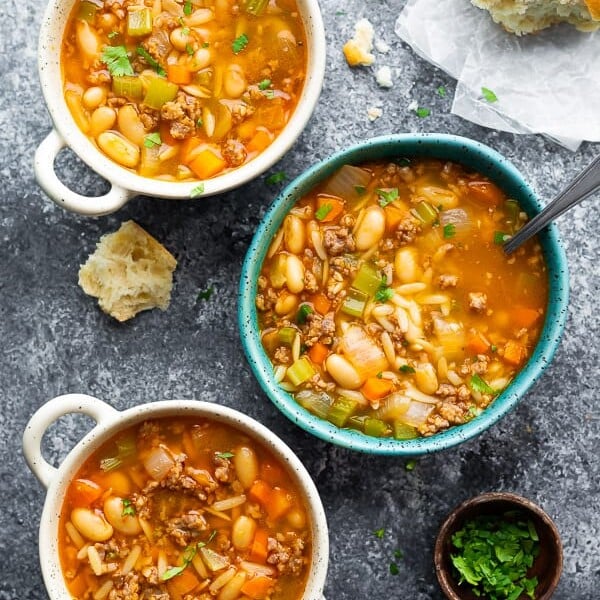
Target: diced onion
213, 560
257, 569
393, 407
344, 181
416, 414
364, 354
158, 463
229, 503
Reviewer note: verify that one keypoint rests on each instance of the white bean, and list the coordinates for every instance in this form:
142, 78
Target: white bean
343, 372
180, 38
119, 148
406, 265
294, 234
130, 125
242, 532
126, 524
87, 40
371, 228
201, 59
426, 378
199, 17
234, 81
294, 274
102, 119
232, 589
296, 518
246, 465
94, 97
286, 303
91, 525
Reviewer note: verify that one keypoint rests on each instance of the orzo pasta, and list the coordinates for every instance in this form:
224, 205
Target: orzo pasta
387, 305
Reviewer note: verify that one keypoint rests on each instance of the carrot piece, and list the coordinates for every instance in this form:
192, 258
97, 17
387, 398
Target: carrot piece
393, 216
78, 586
207, 164
183, 583
258, 587
189, 148
260, 140
514, 352
84, 492
476, 343
318, 353
165, 134
375, 388
261, 492
179, 74
279, 504
271, 473
258, 553
486, 191
334, 210
321, 303
523, 316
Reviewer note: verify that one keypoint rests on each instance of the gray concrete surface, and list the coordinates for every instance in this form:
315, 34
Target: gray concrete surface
53, 339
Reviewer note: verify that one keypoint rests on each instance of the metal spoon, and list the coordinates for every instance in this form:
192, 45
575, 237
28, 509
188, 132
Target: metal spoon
580, 188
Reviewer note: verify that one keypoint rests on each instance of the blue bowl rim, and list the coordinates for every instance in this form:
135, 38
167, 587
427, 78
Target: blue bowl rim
549, 339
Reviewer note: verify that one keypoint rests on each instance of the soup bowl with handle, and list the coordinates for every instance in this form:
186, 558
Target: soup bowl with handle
108, 423
124, 182
475, 157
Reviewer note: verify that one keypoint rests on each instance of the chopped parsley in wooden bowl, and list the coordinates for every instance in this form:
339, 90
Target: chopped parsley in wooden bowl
498, 546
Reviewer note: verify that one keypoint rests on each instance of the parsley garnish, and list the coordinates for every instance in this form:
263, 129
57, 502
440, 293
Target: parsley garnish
224, 454
117, 60
189, 49
113, 34
188, 556
184, 30
379, 533
478, 384
500, 237
488, 95
269, 94
187, 8
398, 554
275, 178
379, 375
197, 191
449, 230
128, 508
205, 294
406, 369
323, 211
239, 43
148, 58
384, 293
152, 139
410, 465
494, 348
422, 112
394, 570
360, 189
205, 44
303, 313
264, 84
199, 122
387, 196
441, 91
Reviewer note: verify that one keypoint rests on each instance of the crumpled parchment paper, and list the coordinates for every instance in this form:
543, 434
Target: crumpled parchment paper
546, 83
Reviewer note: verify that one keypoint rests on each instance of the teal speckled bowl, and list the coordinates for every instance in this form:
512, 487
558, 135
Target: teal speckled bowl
472, 154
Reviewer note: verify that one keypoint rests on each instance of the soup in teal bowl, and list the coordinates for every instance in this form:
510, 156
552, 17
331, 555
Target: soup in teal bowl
377, 308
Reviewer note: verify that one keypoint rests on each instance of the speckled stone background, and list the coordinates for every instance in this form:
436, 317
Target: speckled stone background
54, 339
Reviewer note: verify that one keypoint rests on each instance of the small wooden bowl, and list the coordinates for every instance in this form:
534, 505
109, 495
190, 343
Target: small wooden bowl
547, 566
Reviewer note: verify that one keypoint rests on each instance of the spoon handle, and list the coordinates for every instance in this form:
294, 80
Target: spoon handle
580, 188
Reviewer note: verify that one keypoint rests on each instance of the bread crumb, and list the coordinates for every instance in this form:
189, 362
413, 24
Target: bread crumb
381, 46
374, 113
129, 272
384, 77
358, 49
413, 105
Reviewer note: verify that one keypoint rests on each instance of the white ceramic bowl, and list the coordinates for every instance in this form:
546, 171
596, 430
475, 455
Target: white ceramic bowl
124, 183
109, 422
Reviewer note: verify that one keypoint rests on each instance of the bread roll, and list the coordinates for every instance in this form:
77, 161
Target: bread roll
528, 16
129, 272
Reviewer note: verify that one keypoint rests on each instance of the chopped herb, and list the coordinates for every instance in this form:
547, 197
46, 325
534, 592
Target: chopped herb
473, 412
185, 30
406, 369
152, 139
441, 91
422, 112
398, 554
379, 533
488, 95
239, 43
264, 84
197, 191
205, 44
379, 375
189, 49
113, 34
403, 162
275, 178
494, 348
187, 556
410, 465
150, 60
269, 94
360, 189
500, 237
205, 294
339, 13
224, 454
449, 230
199, 122
394, 570
187, 8
384, 293
478, 384
117, 61
387, 196
128, 508
323, 211
303, 313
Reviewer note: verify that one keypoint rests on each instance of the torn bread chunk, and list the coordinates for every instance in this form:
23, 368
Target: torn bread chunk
129, 272
358, 50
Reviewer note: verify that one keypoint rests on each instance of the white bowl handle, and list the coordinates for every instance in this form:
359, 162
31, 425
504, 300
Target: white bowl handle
45, 416
59, 193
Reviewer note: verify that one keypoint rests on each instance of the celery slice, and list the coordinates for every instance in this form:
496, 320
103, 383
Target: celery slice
354, 303
425, 212
402, 431
512, 211
367, 280
160, 91
300, 371
357, 422
317, 403
87, 11
255, 7
128, 86
286, 335
139, 22
341, 410
376, 427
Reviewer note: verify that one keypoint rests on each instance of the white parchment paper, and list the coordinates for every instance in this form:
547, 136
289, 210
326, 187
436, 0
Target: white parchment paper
547, 83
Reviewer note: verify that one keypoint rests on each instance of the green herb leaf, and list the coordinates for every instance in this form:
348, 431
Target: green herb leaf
150, 60
387, 196
205, 44
113, 34
500, 237
187, 557
360, 189
410, 465
128, 508
394, 570
269, 94
276, 178
199, 122
379, 533
449, 230
494, 348
323, 211
379, 375
264, 84
152, 139
398, 554
384, 293
441, 91
173, 571
422, 112
187, 8
239, 43
117, 61
184, 30
224, 454
478, 384
488, 95
205, 294
197, 191
189, 49
406, 369
303, 313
